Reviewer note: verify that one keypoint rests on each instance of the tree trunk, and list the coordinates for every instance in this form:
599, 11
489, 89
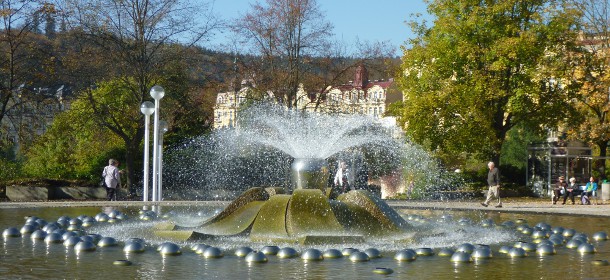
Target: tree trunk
601, 163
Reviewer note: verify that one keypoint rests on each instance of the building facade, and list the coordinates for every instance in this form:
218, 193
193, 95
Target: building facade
359, 96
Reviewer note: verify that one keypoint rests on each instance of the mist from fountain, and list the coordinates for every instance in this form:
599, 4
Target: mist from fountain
269, 137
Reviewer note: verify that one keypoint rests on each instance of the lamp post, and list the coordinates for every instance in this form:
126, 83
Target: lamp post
162, 129
156, 92
147, 108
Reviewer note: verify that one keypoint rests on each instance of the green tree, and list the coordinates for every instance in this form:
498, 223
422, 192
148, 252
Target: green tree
593, 99
139, 39
483, 68
75, 147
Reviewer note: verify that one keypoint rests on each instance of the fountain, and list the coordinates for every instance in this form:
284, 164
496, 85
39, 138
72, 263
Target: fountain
287, 222
273, 146
307, 209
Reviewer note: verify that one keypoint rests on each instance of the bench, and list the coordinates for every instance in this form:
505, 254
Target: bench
578, 194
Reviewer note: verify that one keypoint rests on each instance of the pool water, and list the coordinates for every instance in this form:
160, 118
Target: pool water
24, 258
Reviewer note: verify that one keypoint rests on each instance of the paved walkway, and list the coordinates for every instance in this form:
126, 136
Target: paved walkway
514, 205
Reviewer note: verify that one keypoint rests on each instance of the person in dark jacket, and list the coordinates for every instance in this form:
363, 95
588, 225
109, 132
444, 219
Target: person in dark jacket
559, 187
493, 180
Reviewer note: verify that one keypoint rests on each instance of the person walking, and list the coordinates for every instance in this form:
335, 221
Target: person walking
493, 180
112, 177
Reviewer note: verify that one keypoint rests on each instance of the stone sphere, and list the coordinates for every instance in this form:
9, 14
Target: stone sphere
505, 249
464, 221
212, 253
28, 229
407, 255
60, 231
600, 236
466, 248
383, 270
574, 243
517, 253
543, 242
134, 247
521, 221
556, 241
171, 249
199, 248
114, 213
102, 217
122, 262
332, 254
11, 232
242, 252
527, 231
38, 234
539, 234
582, 236
74, 227
488, 223
518, 244
162, 245
359, 257
348, 251
96, 237
508, 224
424, 251
373, 253
53, 238
107, 242
51, 227
270, 250
76, 221
31, 219
461, 256
558, 230
71, 241
569, 232
64, 218
543, 226
256, 257
69, 234
446, 252
84, 246
545, 250
312, 255
586, 248
528, 247
289, 253
482, 253
121, 217
87, 238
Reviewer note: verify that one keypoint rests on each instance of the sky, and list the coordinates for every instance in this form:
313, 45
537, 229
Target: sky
366, 20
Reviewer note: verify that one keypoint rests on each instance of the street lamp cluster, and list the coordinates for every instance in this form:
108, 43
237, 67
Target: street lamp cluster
160, 127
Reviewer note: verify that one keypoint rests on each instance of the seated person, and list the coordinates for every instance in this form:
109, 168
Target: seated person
590, 190
559, 187
570, 191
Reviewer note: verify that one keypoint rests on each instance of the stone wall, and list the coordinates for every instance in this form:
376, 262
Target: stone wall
29, 193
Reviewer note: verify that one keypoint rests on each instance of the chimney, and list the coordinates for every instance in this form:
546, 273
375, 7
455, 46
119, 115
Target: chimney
362, 76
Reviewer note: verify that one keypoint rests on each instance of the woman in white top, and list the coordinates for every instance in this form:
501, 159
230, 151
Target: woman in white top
112, 177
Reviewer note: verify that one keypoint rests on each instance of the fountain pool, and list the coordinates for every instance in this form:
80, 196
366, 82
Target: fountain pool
23, 257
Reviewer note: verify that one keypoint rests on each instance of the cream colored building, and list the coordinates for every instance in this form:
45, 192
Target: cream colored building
360, 96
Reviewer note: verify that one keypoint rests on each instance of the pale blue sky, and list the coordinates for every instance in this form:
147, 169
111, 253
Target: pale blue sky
370, 20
